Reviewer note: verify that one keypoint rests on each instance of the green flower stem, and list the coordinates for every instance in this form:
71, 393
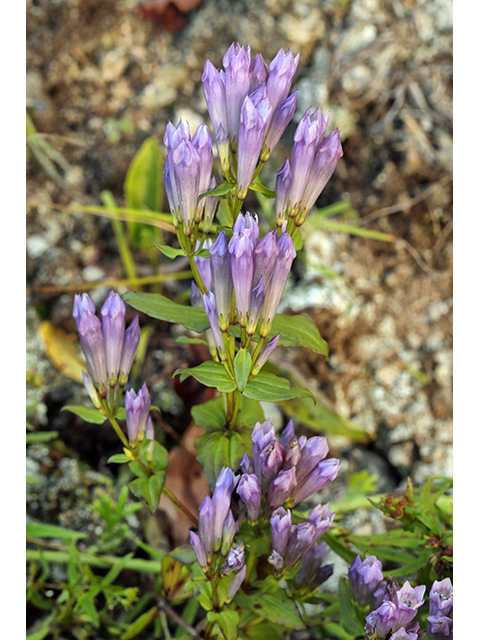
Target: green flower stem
180, 506
237, 396
196, 275
250, 565
257, 350
119, 432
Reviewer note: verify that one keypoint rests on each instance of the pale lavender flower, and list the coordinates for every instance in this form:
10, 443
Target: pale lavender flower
202, 141
264, 258
300, 540
256, 304
265, 353
246, 464
439, 627
288, 434
281, 526
291, 454
221, 499
320, 477
281, 71
211, 203
228, 533
137, 409
210, 308
236, 583
313, 572
282, 193
277, 124
235, 559
408, 602
441, 597
241, 251
130, 344
249, 491
321, 518
214, 91
150, 435
364, 578
92, 340
258, 72
403, 634
222, 284
206, 524
314, 451
236, 63
113, 323
199, 549
280, 489
386, 617
270, 462
263, 434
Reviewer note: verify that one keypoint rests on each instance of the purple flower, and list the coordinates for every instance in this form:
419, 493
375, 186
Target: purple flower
235, 559
264, 258
364, 577
137, 408
300, 540
202, 141
214, 91
320, 477
403, 634
249, 491
258, 72
206, 524
199, 549
256, 304
387, 614
236, 583
439, 627
241, 250
408, 602
92, 392
210, 308
441, 597
130, 344
281, 72
282, 193
228, 533
277, 125
92, 341
288, 434
321, 518
113, 323
236, 63
221, 499
211, 203
263, 434
314, 451
222, 284
265, 353
280, 489
281, 526
246, 464
313, 572
270, 462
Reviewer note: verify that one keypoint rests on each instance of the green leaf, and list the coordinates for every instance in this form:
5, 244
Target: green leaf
89, 414
250, 413
348, 613
354, 230
242, 365
298, 331
159, 457
41, 436
187, 340
257, 186
227, 620
45, 630
217, 449
169, 252
143, 186
277, 608
140, 624
160, 307
40, 530
211, 374
155, 488
119, 458
219, 190
211, 415
268, 387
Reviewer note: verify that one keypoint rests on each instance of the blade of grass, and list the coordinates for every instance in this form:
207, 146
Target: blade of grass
355, 231
122, 242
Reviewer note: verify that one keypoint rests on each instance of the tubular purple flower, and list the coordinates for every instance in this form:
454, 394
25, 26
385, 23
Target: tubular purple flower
321, 518
403, 634
387, 614
280, 489
441, 597
241, 251
288, 434
246, 464
258, 72
92, 341
236, 63
137, 408
278, 123
313, 572
92, 392
291, 454
256, 304
274, 289
323, 474
264, 258
255, 115
408, 602
249, 491
210, 308
281, 71
439, 627
214, 92
206, 524
247, 223
235, 559
265, 353
314, 451
270, 459
222, 284
236, 583
300, 540
364, 578
130, 344
186, 163
202, 141
113, 322
203, 264
228, 533
326, 159
281, 526
221, 499
150, 435
171, 191
282, 193
199, 549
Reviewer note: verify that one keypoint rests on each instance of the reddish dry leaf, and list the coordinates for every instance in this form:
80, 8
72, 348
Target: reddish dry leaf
168, 13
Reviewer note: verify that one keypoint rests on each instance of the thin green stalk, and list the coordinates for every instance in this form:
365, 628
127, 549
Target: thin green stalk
103, 562
196, 275
180, 506
121, 238
119, 432
236, 408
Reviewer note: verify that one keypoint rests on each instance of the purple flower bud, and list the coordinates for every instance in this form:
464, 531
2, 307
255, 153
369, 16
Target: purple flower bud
92, 392
313, 452
282, 193
256, 305
113, 322
235, 559
130, 344
288, 434
277, 125
228, 533
326, 158
311, 573
379, 596
291, 454
246, 464
441, 597
408, 602
280, 489
211, 203
439, 627
186, 163
137, 408
258, 72
264, 258
236, 63
221, 499
206, 524
323, 474
364, 578
199, 549
210, 308
236, 583
203, 264
300, 540
92, 341
222, 284
263, 434
203, 143
387, 614
214, 92
241, 250
403, 634
281, 72
281, 526
249, 491
270, 459
321, 518
150, 435
274, 289
265, 353
247, 223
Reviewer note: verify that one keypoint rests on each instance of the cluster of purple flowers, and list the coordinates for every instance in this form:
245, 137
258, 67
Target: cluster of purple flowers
393, 609
109, 349
245, 278
213, 545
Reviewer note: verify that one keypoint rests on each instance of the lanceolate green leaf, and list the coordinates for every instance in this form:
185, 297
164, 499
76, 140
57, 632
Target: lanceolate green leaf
211, 374
298, 331
217, 449
211, 415
242, 365
89, 414
160, 307
267, 387
277, 608
170, 252
219, 190
40, 530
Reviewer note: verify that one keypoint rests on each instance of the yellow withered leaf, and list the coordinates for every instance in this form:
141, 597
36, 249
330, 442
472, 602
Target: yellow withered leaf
59, 348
